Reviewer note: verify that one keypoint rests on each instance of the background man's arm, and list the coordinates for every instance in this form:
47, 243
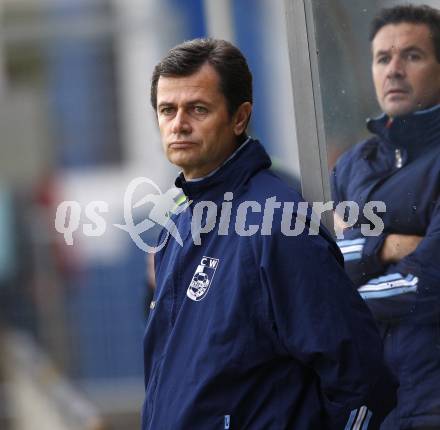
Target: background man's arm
394, 246
398, 246
391, 270
410, 268
362, 254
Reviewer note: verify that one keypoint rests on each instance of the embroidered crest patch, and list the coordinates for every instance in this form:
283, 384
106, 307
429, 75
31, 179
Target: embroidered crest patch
202, 278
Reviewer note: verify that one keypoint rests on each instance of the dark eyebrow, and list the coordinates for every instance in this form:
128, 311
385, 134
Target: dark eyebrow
381, 52
413, 48
199, 101
163, 104
189, 103
405, 50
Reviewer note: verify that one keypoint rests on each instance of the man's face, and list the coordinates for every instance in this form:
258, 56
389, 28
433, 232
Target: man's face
197, 132
406, 73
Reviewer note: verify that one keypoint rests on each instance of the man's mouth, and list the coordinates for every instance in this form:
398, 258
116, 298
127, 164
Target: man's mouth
396, 91
181, 144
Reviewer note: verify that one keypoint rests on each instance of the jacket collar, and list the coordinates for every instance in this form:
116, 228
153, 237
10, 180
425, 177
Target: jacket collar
413, 132
249, 158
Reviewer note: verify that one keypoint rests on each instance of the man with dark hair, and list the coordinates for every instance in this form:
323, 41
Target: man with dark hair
418, 15
398, 272
243, 331
234, 74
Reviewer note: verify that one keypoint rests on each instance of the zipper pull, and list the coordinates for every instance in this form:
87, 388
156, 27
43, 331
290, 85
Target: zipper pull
398, 156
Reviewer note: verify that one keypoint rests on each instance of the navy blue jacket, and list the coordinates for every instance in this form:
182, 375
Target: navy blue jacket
400, 166
258, 331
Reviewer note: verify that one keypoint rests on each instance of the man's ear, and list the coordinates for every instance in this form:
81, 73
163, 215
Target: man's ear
241, 118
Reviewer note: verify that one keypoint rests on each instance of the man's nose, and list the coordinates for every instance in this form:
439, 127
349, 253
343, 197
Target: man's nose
396, 68
181, 123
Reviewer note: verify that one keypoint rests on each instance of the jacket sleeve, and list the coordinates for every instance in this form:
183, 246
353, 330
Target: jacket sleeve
322, 321
361, 253
414, 279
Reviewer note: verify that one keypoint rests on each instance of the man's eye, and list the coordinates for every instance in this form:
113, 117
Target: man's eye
413, 57
382, 60
200, 109
167, 110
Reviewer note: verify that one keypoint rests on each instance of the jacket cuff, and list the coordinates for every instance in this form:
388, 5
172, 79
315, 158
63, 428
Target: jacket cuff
371, 253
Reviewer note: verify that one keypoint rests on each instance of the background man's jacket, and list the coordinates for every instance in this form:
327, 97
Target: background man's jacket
400, 165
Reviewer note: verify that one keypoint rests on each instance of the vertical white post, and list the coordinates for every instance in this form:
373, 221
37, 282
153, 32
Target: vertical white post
137, 51
2, 59
310, 134
219, 19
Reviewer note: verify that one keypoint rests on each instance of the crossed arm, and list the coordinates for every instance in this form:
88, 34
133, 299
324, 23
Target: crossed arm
395, 246
398, 246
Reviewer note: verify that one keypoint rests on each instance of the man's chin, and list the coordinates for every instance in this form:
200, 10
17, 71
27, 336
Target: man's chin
180, 159
395, 110
179, 164
184, 165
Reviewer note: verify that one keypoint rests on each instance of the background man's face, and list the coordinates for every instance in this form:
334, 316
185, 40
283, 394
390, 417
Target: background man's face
406, 73
197, 132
